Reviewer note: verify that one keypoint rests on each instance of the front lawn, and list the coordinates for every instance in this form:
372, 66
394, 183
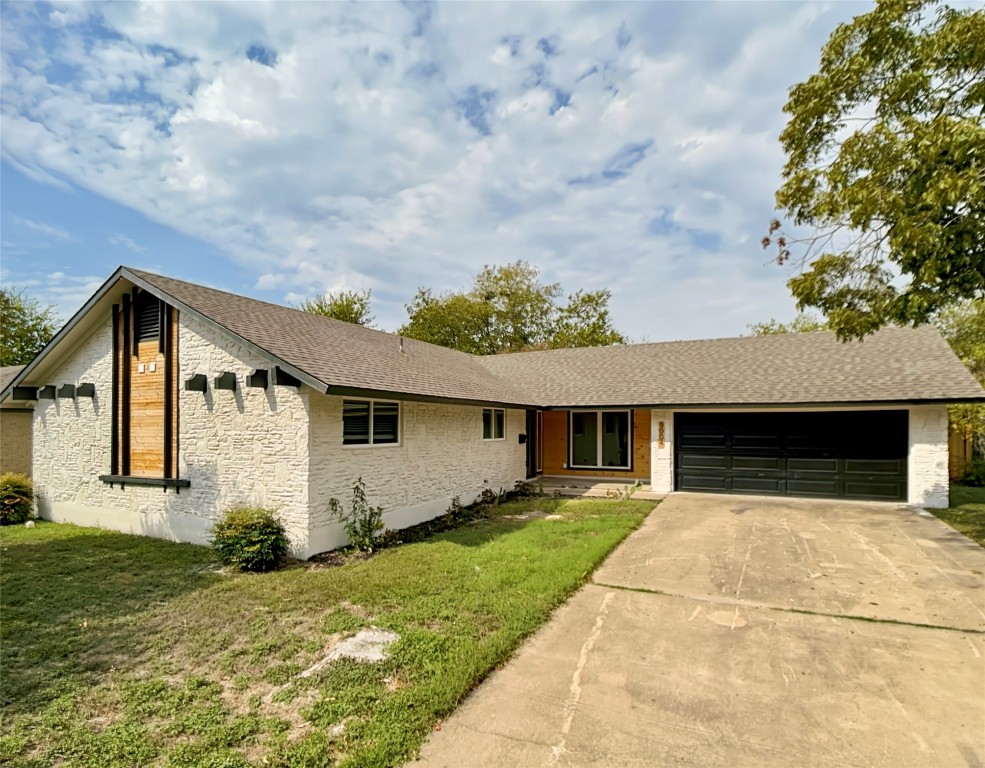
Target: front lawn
118, 650
966, 513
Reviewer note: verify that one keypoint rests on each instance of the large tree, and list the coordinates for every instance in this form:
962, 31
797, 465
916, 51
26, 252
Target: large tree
508, 309
885, 168
25, 327
348, 306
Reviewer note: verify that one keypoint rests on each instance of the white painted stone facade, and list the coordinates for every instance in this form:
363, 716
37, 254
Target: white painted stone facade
927, 479
441, 454
279, 448
243, 447
662, 457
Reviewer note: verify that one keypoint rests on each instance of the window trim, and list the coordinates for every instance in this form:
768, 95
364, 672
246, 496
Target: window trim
372, 402
598, 448
492, 424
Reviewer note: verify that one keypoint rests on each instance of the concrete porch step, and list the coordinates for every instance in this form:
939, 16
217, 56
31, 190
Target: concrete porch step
578, 487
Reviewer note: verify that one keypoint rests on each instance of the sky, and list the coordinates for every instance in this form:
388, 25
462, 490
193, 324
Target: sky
280, 150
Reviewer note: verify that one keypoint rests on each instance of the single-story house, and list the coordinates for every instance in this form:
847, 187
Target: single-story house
15, 429
162, 402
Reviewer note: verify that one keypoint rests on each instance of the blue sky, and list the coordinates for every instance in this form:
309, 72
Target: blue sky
284, 149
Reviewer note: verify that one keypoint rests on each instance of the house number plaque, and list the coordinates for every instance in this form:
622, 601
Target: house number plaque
660, 434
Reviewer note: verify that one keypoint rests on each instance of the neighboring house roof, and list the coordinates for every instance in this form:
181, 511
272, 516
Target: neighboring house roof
893, 365
7, 374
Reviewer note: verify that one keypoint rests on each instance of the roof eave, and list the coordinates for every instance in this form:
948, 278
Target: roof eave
422, 398
65, 331
125, 274
773, 405
297, 373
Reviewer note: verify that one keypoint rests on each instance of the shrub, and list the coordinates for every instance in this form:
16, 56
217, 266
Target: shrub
362, 522
975, 474
16, 498
250, 538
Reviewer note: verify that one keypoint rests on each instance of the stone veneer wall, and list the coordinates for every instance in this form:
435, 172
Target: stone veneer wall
928, 480
441, 455
662, 456
244, 447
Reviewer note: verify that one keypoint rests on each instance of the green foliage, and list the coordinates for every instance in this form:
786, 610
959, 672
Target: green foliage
24, 327
974, 477
508, 309
363, 522
456, 320
347, 306
16, 498
584, 322
963, 325
885, 154
802, 323
250, 538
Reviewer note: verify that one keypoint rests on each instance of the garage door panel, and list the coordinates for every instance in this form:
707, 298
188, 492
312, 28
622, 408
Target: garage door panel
825, 488
749, 484
694, 482
742, 442
875, 491
798, 464
767, 463
874, 467
702, 440
702, 461
824, 454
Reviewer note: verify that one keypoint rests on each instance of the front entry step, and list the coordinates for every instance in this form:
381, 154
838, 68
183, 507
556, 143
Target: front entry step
589, 488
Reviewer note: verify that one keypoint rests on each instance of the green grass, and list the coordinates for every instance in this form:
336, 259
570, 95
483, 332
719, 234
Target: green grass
124, 651
966, 513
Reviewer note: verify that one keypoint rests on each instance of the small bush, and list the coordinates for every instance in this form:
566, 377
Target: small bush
16, 498
975, 474
363, 522
250, 538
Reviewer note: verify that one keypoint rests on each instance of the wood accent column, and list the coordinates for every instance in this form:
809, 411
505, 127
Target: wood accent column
168, 348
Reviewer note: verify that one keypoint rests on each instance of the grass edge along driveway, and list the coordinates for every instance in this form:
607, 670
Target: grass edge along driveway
119, 650
966, 513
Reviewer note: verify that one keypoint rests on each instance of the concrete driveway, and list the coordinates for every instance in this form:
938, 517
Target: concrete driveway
746, 631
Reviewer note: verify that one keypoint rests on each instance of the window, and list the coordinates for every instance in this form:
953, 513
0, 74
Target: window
370, 422
600, 439
493, 424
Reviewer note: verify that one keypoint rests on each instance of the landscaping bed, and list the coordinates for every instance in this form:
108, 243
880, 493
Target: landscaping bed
119, 650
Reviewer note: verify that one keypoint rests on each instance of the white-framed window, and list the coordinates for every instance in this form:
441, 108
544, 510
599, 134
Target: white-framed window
370, 422
493, 424
600, 439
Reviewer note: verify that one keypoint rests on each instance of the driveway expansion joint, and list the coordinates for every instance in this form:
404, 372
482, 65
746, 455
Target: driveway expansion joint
724, 600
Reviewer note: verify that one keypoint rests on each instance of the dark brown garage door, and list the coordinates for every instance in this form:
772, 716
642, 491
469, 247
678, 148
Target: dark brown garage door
844, 454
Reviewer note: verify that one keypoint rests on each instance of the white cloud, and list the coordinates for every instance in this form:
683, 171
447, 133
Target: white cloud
47, 231
126, 242
382, 146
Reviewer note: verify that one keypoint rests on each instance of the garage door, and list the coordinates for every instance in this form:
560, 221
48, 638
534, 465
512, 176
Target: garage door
850, 454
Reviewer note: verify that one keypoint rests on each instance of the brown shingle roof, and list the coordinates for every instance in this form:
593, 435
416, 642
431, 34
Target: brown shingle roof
341, 354
7, 374
893, 365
